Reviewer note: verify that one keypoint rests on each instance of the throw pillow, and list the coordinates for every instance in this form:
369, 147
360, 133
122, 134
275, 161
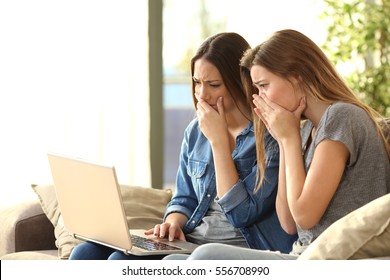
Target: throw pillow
144, 208
363, 233
64, 241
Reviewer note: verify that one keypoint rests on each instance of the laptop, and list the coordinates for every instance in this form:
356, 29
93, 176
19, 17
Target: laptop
90, 201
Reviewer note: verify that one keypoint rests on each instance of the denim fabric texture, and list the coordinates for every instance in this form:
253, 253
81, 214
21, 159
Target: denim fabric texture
253, 213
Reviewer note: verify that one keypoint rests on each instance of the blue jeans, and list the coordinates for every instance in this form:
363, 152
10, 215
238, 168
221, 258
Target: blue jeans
94, 251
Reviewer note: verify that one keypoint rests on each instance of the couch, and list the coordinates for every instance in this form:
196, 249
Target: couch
34, 229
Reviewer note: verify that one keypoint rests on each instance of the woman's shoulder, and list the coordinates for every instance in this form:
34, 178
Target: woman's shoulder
340, 109
194, 124
346, 114
193, 128
345, 122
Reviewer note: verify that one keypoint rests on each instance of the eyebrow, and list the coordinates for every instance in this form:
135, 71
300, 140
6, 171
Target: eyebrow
258, 82
207, 81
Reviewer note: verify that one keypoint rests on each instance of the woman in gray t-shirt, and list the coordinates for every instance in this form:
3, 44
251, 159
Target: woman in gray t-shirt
331, 164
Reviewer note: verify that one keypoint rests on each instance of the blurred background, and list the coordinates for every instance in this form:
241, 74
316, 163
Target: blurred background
110, 81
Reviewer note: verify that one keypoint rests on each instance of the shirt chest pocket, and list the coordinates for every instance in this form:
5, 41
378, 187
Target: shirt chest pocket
197, 171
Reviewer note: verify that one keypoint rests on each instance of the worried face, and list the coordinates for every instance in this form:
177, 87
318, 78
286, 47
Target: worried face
209, 85
277, 89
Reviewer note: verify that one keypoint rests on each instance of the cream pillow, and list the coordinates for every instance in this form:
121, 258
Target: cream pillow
144, 208
363, 233
64, 241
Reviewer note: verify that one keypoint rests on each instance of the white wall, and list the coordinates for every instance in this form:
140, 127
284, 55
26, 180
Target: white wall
73, 79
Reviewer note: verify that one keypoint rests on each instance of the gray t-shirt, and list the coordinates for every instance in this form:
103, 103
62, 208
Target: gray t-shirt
215, 227
367, 174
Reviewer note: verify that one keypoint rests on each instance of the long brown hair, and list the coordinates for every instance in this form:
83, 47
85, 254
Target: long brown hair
289, 53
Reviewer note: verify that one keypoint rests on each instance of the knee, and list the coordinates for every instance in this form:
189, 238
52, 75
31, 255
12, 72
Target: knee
211, 251
117, 255
79, 251
176, 257
90, 251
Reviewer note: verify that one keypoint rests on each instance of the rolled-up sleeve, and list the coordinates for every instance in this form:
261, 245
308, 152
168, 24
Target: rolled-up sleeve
242, 205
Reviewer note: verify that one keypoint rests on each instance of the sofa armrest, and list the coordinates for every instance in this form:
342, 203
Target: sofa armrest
24, 227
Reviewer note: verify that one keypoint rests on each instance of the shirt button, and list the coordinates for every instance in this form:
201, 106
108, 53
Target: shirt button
193, 222
208, 195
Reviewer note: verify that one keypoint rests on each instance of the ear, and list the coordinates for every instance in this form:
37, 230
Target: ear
296, 79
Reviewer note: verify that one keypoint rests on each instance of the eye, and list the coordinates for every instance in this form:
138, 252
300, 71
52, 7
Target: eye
215, 85
263, 86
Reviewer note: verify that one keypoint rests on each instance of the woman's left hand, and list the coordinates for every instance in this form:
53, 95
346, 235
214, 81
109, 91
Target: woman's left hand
280, 122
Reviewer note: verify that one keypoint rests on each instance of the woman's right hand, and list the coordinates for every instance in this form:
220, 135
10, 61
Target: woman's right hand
280, 122
212, 122
172, 230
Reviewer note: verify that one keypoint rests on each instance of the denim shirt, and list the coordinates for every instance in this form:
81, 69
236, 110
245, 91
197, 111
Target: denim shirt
252, 213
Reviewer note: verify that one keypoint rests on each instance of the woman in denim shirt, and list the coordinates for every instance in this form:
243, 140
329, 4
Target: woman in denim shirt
215, 199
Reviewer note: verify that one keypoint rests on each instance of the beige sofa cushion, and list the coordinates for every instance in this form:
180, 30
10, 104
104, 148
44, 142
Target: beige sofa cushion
144, 208
32, 255
363, 233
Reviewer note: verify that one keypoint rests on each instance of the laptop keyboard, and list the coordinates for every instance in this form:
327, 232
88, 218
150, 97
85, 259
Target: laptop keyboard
150, 244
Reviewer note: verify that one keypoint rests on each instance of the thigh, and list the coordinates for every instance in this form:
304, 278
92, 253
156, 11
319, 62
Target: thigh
90, 251
117, 255
176, 257
215, 251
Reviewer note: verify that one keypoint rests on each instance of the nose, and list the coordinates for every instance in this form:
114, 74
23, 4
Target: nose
202, 92
260, 90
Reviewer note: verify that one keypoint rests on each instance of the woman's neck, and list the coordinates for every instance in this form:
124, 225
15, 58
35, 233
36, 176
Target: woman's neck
236, 121
315, 109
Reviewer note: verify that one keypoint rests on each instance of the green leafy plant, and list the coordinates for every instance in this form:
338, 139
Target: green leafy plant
359, 39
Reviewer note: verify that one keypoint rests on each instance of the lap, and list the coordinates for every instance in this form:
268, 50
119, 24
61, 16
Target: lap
177, 257
214, 251
94, 251
117, 255
90, 251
